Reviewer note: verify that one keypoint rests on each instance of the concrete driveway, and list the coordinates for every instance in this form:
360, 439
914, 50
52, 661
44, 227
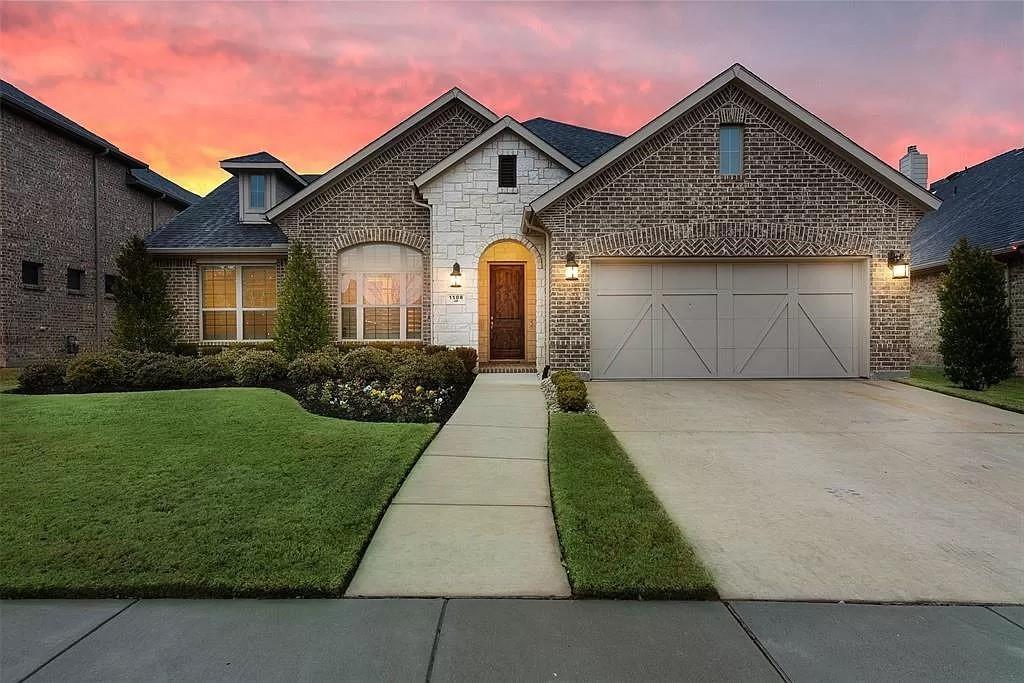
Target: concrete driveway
837, 490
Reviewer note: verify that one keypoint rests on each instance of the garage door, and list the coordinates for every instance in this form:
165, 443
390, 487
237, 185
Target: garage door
673, 319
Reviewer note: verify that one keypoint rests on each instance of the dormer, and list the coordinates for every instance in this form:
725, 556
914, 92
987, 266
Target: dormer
263, 181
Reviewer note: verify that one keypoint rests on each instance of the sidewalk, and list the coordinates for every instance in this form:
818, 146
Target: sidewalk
504, 640
474, 516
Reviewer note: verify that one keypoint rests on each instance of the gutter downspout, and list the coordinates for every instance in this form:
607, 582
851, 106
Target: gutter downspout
430, 269
96, 240
529, 225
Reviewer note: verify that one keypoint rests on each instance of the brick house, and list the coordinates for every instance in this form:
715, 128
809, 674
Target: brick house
985, 204
69, 200
735, 235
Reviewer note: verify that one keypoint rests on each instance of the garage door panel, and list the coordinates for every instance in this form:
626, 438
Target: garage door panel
825, 276
825, 362
629, 334
761, 332
624, 364
823, 306
756, 305
620, 307
682, 276
825, 332
762, 362
758, 277
686, 363
624, 277
688, 335
691, 306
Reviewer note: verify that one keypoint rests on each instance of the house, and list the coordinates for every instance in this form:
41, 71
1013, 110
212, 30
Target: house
69, 200
985, 204
735, 235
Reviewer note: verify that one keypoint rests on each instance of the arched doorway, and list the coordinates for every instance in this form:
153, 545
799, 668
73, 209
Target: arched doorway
508, 303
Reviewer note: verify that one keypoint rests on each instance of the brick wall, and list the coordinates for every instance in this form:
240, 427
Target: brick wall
1015, 280
374, 203
795, 198
46, 216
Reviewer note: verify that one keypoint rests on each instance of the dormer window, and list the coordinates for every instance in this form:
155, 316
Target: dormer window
258, 192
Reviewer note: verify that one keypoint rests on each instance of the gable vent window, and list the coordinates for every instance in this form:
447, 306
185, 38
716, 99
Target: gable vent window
730, 150
258, 192
75, 279
31, 274
507, 170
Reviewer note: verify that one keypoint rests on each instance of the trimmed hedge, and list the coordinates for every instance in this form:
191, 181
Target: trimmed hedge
95, 372
42, 377
259, 368
570, 391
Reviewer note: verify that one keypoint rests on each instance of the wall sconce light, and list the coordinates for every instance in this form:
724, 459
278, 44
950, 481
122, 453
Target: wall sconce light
456, 276
572, 269
898, 264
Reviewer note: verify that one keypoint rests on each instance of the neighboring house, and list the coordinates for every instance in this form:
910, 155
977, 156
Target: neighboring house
985, 204
735, 235
69, 200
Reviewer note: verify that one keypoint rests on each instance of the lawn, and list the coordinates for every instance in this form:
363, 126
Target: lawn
617, 540
207, 492
9, 378
1008, 394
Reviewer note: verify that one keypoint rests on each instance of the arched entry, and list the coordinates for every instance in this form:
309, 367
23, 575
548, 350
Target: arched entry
507, 303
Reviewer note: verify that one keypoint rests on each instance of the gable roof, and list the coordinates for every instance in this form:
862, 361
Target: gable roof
258, 157
984, 203
739, 73
505, 123
580, 144
262, 160
155, 182
212, 225
380, 143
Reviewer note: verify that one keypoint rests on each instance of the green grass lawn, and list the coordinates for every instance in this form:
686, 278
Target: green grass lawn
208, 492
617, 540
9, 378
1008, 394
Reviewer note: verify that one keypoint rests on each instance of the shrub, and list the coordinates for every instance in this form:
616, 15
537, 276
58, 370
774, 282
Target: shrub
570, 391
377, 401
974, 327
259, 368
165, 372
303, 316
143, 313
468, 356
207, 371
95, 372
368, 364
42, 377
315, 366
436, 370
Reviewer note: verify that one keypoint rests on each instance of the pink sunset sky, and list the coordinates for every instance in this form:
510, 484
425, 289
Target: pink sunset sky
182, 85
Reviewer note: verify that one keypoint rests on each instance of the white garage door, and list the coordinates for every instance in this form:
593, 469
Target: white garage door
728, 319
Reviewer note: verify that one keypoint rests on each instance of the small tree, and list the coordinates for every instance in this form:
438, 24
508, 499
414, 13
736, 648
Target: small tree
974, 328
144, 315
303, 316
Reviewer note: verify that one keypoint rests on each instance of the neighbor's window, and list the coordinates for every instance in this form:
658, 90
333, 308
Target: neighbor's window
506, 170
239, 302
381, 292
257, 191
75, 279
31, 273
730, 150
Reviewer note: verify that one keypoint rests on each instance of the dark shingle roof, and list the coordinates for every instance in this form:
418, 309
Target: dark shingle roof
582, 145
213, 222
157, 183
984, 203
257, 158
12, 96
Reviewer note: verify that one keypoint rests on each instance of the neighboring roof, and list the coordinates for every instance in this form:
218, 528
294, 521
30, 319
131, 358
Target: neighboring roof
13, 97
157, 183
738, 72
582, 145
366, 152
258, 157
212, 224
984, 203
505, 123
261, 160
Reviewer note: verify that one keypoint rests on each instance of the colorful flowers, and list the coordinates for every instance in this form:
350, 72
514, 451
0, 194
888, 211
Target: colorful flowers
378, 402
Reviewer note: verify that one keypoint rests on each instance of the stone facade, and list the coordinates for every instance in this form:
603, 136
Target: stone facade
374, 203
47, 208
468, 214
925, 314
795, 197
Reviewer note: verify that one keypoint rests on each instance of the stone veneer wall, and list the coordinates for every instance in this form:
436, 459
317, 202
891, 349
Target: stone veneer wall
926, 313
795, 198
469, 212
46, 216
374, 202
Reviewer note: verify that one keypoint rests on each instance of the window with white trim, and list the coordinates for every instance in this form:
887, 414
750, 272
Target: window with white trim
380, 293
257, 192
238, 302
730, 150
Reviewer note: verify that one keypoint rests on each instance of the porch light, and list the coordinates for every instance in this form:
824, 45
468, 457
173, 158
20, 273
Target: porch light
456, 280
572, 269
898, 264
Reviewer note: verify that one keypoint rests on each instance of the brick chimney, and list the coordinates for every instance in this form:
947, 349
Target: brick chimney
914, 165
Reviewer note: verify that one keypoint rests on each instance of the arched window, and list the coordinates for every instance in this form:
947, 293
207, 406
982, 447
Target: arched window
381, 292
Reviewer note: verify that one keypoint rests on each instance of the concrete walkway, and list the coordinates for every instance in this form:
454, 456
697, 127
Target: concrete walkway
474, 516
504, 640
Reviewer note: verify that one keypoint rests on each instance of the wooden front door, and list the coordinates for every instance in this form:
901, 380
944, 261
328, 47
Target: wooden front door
508, 318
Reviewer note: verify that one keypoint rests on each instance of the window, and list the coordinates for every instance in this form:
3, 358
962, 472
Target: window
730, 150
381, 292
75, 280
109, 284
257, 191
32, 273
239, 302
506, 170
